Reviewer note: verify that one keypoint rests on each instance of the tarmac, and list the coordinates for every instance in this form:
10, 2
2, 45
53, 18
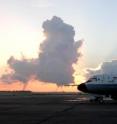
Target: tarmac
55, 108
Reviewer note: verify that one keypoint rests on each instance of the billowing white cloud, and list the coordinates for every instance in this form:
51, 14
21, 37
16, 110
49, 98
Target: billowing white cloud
23, 70
54, 63
109, 68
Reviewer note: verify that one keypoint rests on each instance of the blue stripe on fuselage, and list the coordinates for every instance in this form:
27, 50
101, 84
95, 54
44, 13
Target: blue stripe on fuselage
102, 88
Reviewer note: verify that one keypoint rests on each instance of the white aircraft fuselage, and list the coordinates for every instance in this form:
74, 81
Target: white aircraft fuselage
101, 85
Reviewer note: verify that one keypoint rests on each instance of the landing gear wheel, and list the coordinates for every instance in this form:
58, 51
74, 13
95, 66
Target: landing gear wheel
97, 99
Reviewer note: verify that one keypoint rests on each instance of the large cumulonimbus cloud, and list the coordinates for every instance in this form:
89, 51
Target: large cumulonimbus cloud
108, 68
54, 63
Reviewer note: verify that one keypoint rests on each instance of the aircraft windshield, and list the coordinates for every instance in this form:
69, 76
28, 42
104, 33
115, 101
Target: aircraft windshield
92, 79
88, 81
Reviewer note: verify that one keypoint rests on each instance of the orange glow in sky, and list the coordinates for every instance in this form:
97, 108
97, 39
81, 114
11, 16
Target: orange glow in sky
36, 86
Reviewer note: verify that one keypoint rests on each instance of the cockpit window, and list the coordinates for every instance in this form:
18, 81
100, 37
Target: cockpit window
92, 79
88, 81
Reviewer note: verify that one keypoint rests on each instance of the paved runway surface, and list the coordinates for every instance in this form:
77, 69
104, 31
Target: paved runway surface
54, 109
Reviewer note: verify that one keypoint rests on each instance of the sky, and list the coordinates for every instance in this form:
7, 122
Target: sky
94, 21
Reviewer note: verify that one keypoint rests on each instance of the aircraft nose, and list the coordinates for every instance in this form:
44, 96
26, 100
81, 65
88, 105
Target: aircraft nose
82, 87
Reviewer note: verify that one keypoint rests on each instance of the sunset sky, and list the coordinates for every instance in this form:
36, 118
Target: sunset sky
94, 21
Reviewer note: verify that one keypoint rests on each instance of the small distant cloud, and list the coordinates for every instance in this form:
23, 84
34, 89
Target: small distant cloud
109, 68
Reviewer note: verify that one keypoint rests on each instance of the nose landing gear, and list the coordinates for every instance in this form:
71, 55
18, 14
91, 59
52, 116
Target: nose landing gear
98, 99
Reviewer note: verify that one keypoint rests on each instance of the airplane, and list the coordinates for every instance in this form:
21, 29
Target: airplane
100, 86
